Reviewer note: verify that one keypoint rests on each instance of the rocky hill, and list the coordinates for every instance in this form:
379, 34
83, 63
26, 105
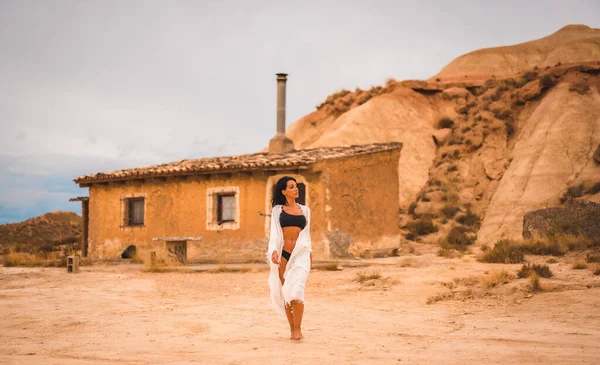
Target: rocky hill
480, 152
571, 44
47, 232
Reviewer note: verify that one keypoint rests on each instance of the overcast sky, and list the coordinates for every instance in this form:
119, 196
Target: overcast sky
90, 86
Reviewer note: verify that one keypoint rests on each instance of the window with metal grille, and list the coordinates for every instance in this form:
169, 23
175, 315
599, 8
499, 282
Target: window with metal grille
225, 208
135, 211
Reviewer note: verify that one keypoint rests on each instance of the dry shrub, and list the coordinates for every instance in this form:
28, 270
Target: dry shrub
595, 269
579, 266
449, 211
552, 260
224, 268
43, 259
502, 114
503, 277
457, 239
420, 227
546, 82
412, 207
455, 140
440, 297
594, 189
572, 192
580, 86
591, 258
541, 270
504, 252
536, 286
366, 276
469, 219
444, 123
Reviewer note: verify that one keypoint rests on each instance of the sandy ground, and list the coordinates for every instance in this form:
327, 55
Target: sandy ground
122, 315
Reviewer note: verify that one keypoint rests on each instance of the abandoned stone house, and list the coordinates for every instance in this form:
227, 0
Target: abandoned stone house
218, 209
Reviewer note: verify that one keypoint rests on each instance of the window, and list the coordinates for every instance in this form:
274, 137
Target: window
223, 208
134, 208
301, 194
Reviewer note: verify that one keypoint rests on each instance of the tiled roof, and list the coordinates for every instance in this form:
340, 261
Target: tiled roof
256, 161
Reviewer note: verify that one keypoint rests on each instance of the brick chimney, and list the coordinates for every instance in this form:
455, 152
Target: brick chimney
280, 143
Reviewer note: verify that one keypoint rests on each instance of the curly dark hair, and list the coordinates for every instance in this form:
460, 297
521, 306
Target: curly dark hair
278, 197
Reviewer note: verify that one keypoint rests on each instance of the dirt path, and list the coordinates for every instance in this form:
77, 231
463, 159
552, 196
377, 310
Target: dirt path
121, 315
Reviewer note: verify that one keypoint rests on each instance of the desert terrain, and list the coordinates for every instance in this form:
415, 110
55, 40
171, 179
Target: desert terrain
416, 308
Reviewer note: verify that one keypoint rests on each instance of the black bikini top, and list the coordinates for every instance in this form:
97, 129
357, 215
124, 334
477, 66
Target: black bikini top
292, 220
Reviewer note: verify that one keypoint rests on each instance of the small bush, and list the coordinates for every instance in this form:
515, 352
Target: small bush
421, 227
504, 252
435, 182
445, 123
541, 270
452, 168
529, 75
575, 191
364, 276
449, 211
412, 207
455, 140
455, 154
552, 260
503, 114
425, 198
595, 269
592, 258
457, 239
469, 219
594, 189
579, 266
580, 86
546, 81
509, 124
503, 277
536, 286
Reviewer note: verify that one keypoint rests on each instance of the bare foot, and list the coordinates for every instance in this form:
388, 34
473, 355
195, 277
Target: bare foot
297, 335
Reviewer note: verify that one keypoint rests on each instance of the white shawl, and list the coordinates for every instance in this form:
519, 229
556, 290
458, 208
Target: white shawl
298, 264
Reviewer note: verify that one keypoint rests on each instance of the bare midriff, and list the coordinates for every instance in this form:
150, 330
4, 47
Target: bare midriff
290, 235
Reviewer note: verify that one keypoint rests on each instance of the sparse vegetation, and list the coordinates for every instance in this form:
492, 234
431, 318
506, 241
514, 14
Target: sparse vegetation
572, 192
594, 189
449, 211
42, 259
503, 277
457, 239
364, 276
579, 266
580, 86
591, 258
528, 269
546, 81
469, 219
504, 253
452, 168
535, 285
595, 269
445, 123
420, 227
411, 208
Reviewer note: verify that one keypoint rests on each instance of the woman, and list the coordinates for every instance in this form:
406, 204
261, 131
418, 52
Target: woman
289, 253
